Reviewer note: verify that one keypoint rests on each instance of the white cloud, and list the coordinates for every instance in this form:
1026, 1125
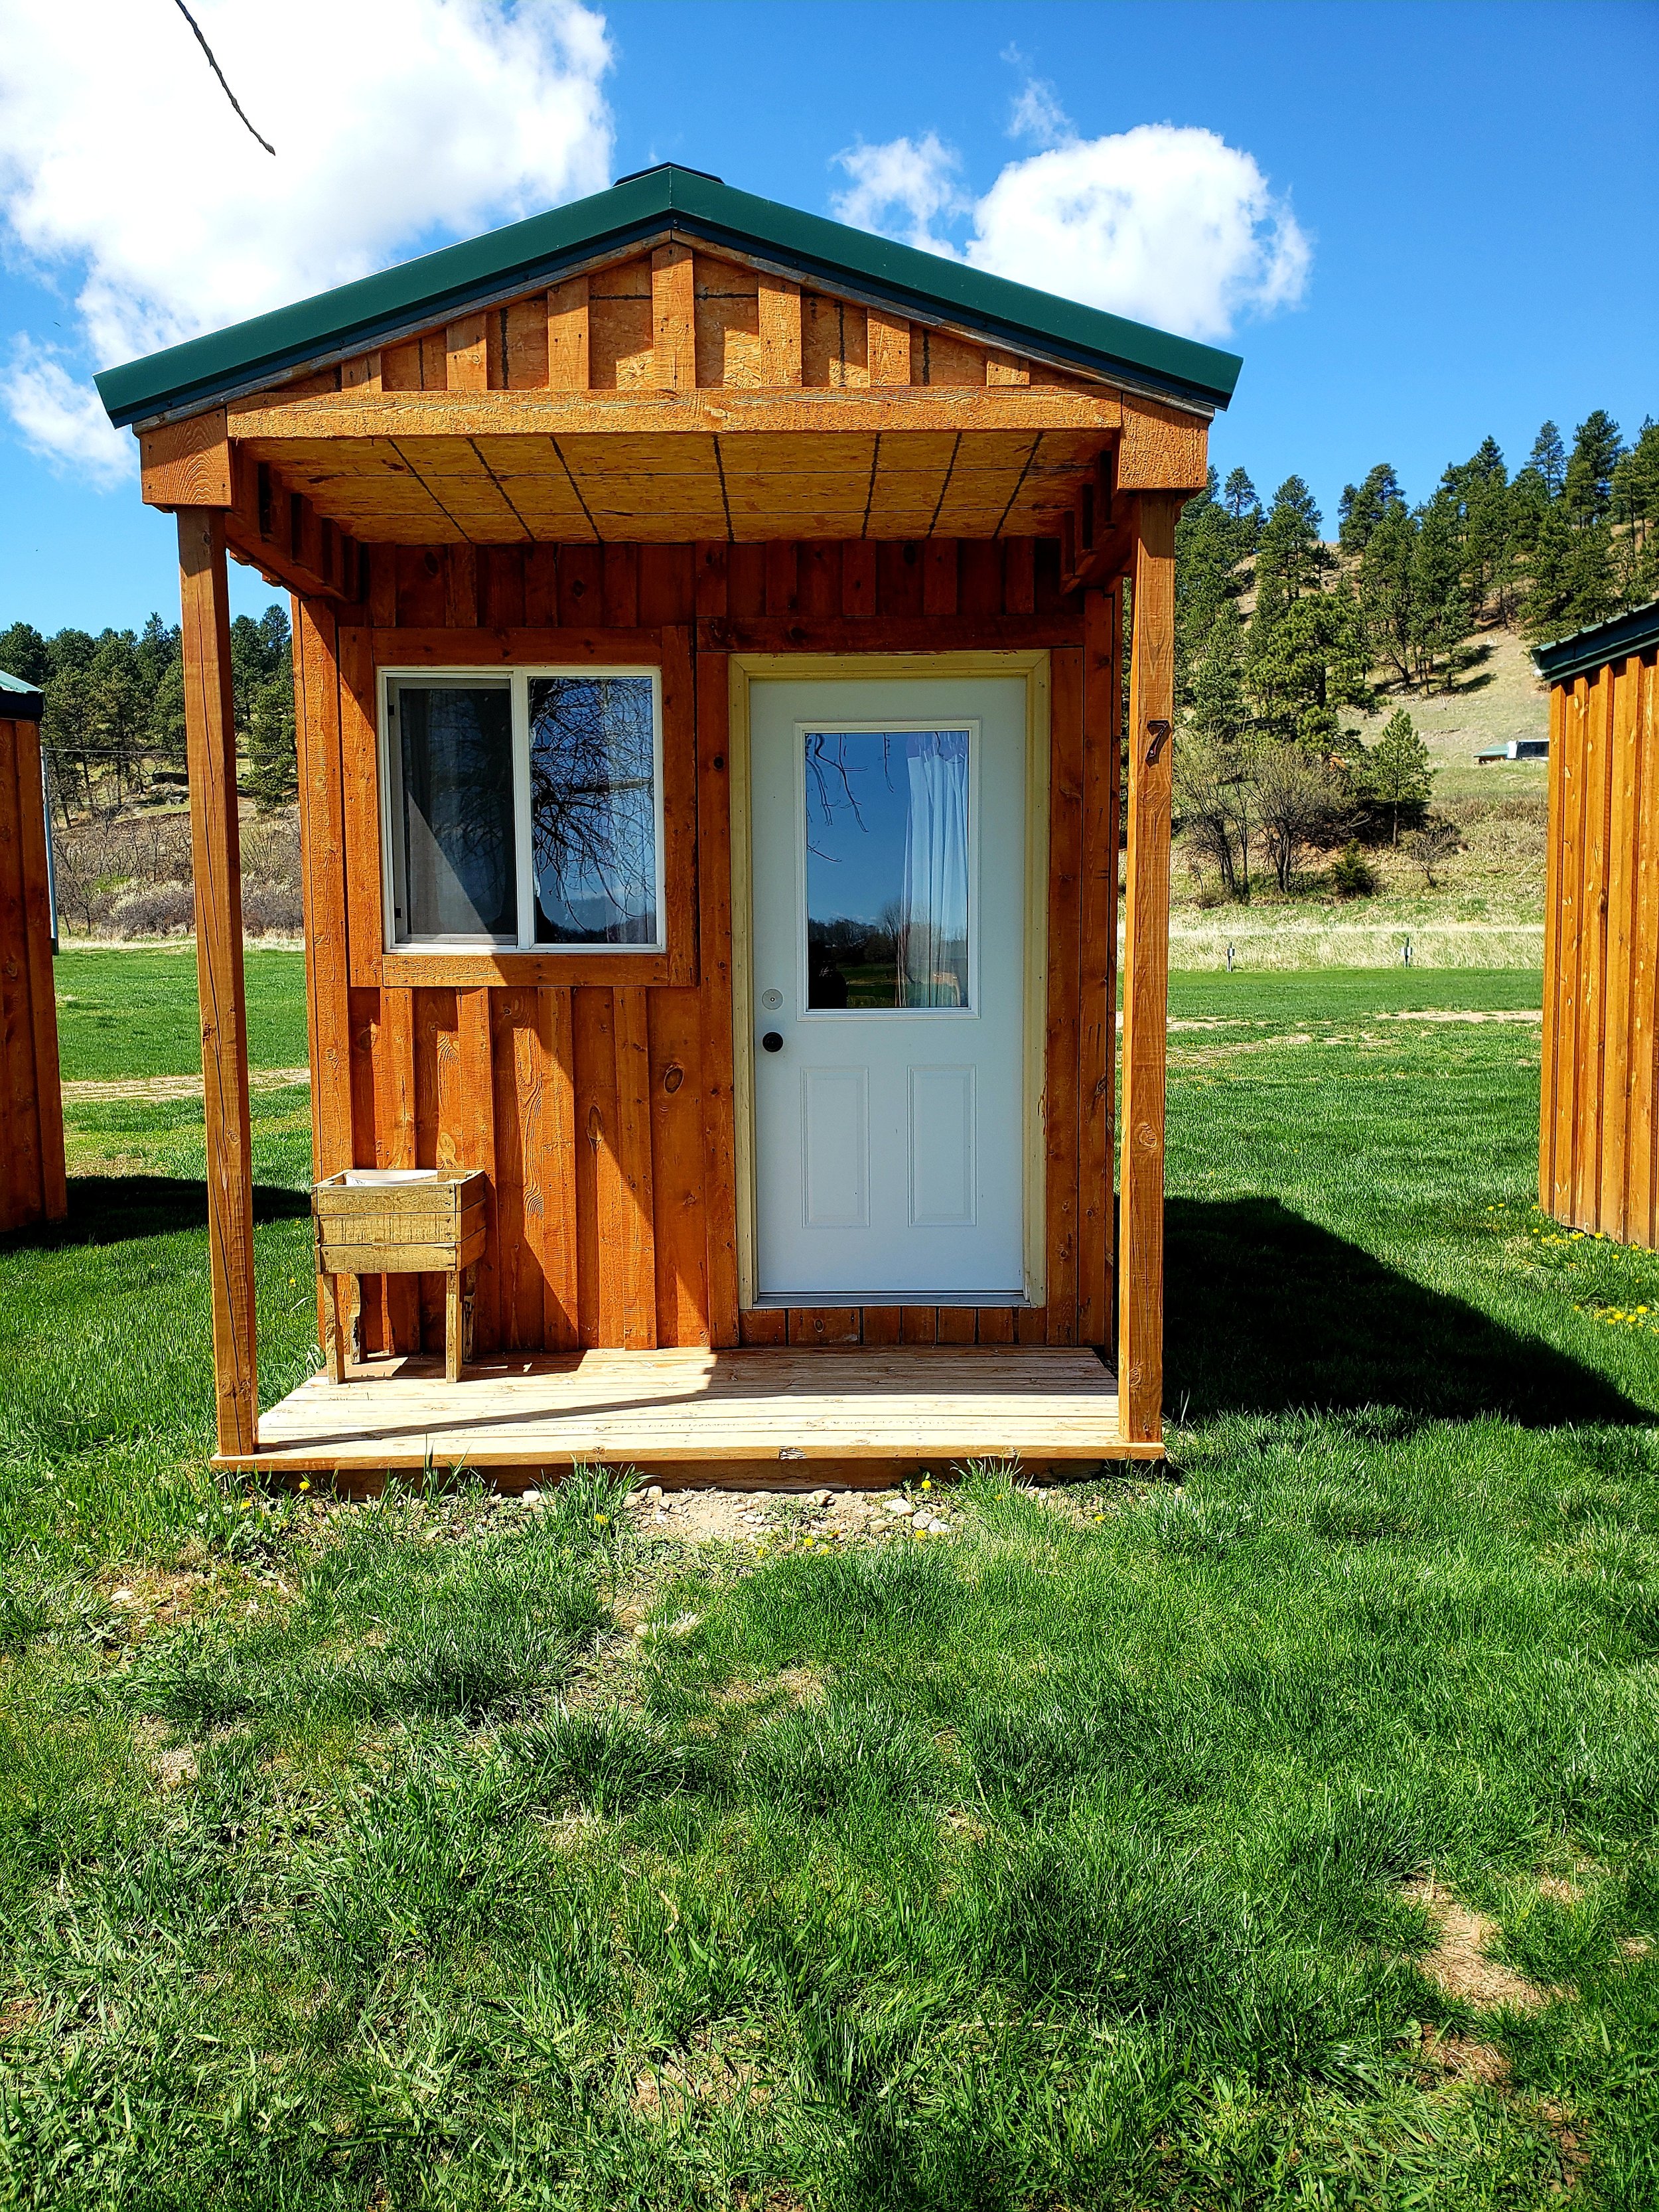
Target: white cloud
1167, 225
126, 177
1038, 115
1172, 227
901, 189
60, 416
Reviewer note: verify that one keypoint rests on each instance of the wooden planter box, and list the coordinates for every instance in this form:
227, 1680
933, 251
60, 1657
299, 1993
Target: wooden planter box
400, 1221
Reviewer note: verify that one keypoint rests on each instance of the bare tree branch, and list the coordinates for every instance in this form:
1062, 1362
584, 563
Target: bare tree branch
214, 66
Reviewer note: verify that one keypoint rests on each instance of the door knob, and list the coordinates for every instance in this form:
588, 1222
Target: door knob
771, 1041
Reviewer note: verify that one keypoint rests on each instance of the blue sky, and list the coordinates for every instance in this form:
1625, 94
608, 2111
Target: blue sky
1475, 186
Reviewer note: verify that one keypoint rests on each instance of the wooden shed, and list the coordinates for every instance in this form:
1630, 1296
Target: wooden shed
31, 1184
711, 660
1598, 1156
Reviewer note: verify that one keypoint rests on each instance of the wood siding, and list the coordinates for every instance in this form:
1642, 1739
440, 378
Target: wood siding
601, 1108
1598, 1169
666, 396
32, 1185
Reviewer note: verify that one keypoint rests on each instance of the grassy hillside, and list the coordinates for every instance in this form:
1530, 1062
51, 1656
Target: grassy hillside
1485, 908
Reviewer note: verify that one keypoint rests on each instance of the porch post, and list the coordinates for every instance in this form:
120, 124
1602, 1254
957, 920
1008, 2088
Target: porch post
1146, 973
215, 850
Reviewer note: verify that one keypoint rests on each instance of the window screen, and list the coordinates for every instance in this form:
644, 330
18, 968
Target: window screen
456, 875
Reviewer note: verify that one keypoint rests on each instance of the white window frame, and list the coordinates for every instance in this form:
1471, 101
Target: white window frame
516, 681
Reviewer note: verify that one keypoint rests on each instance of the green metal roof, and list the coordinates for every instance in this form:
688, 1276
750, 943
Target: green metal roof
1598, 645
358, 317
19, 702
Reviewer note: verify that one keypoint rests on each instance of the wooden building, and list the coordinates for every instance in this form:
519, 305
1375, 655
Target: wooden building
32, 1185
711, 638
1598, 1158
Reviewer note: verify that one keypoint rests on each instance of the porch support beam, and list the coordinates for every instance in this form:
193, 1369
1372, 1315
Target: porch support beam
1146, 974
216, 849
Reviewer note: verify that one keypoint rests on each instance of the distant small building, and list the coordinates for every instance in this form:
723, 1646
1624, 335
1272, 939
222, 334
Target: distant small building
1598, 1164
1517, 749
32, 1185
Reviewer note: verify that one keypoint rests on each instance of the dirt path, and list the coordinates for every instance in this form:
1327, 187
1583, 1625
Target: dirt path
161, 1087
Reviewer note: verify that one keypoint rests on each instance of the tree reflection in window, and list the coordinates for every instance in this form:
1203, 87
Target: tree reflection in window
593, 809
887, 869
455, 751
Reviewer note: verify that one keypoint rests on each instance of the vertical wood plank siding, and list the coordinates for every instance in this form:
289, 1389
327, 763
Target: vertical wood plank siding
31, 1184
605, 1115
1597, 1167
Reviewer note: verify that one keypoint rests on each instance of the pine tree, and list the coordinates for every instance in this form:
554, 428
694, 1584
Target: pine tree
273, 777
1440, 613
166, 716
1364, 505
1290, 562
1635, 519
1239, 497
24, 654
1312, 660
1549, 458
1550, 584
1213, 778
1592, 584
1597, 451
69, 728
1291, 558
1220, 710
1476, 493
119, 707
158, 644
1397, 774
1207, 554
1385, 583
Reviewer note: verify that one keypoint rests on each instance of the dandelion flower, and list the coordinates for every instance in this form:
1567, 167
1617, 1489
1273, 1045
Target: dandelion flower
305, 1483
602, 1520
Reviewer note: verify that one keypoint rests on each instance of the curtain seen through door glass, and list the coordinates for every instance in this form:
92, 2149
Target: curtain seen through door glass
887, 869
455, 752
593, 809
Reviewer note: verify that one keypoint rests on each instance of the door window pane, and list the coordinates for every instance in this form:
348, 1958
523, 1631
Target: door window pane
887, 869
593, 809
456, 873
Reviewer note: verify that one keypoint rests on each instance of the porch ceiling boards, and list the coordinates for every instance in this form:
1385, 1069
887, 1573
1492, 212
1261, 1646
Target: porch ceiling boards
521, 487
742, 1415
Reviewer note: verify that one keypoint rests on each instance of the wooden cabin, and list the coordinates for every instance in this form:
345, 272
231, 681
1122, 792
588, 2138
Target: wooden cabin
713, 634
32, 1188
1598, 1156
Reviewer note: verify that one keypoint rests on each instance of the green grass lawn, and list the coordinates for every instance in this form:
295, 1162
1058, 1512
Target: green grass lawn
134, 1012
366, 1855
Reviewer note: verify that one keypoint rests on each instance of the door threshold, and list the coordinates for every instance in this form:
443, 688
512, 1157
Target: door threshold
836, 1302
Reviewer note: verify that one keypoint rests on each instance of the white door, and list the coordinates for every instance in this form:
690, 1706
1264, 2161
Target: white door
887, 843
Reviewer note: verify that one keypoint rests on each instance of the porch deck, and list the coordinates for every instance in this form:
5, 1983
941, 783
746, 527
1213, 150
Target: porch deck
856, 1416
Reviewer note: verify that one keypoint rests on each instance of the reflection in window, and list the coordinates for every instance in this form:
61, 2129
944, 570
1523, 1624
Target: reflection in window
886, 868
593, 809
455, 752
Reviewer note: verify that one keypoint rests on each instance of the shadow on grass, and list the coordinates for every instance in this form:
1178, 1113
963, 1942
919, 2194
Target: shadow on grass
1268, 1313
112, 1209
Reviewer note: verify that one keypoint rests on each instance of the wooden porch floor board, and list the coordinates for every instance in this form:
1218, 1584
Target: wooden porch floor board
705, 1410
